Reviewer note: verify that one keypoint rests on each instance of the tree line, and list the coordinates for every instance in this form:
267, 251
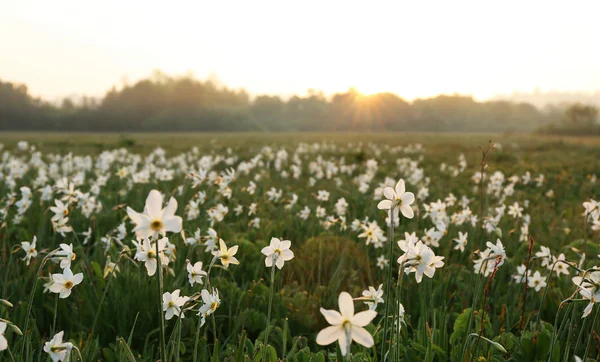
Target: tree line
164, 103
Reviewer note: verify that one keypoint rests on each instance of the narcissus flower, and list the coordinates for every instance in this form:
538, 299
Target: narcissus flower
3, 341
147, 253
29, 249
226, 255
277, 252
56, 348
346, 326
172, 304
399, 199
195, 272
155, 220
64, 283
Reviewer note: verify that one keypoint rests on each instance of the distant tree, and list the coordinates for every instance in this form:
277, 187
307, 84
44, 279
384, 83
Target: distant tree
581, 116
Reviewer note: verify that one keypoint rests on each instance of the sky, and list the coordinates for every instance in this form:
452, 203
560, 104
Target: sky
412, 48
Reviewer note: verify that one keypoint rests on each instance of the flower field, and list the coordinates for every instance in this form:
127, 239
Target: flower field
309, 247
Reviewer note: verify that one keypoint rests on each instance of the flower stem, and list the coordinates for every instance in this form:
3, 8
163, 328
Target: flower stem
388, 284
163, 354
32, 295
269, 308
197, 337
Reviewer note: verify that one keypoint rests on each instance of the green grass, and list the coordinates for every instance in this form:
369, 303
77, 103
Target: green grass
327, 261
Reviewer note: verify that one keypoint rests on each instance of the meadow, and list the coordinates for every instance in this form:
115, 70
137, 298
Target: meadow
244, 247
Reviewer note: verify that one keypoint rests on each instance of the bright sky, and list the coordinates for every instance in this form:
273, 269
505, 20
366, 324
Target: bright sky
414, 48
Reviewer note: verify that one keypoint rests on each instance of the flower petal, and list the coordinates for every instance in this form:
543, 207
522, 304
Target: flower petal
400, 187
346, 305
363, 318
362, 336
333, 317
329, 335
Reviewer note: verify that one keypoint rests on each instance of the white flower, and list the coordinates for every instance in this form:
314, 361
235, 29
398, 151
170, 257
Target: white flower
420, 259
278, 252
399, 199
172, 304
461, 241
346, 326
56, 348
193, 240
373, 296
195, 273
3, 341
63, 283
226, 255
546, 255
559, 265
147, 253
536, 281
29, 249
154, 220
64, 256
211, 302
589, 288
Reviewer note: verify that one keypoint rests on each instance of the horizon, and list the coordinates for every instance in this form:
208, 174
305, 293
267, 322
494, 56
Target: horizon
467, 48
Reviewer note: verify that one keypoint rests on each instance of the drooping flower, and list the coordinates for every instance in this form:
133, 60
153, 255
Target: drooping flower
29, 249
589, 288
399, 199
64, 283
346, 326
56, 348
155, 220
372, 297
147, 253
277, 252
65, 256
211, 302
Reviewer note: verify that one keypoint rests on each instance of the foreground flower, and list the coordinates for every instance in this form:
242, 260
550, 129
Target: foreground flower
346, 326
3, 341
56, 348
172, 304
399, 199
226, 255
63, 283
589, 288
154, 220
278, 251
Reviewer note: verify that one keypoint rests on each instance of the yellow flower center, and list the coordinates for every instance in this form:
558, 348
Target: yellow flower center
156, 225
69, 285
171, 305
214, 305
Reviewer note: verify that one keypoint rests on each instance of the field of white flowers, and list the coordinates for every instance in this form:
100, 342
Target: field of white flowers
361, 249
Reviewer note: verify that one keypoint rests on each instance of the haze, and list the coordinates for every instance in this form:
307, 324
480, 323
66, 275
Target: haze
411, 48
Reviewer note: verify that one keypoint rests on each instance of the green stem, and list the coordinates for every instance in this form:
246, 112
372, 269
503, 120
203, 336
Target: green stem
100, 305
388, 286
269, 309
197, 338
32, 295
163, 354
589, 342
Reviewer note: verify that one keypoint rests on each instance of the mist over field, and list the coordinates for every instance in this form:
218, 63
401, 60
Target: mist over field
299, 181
